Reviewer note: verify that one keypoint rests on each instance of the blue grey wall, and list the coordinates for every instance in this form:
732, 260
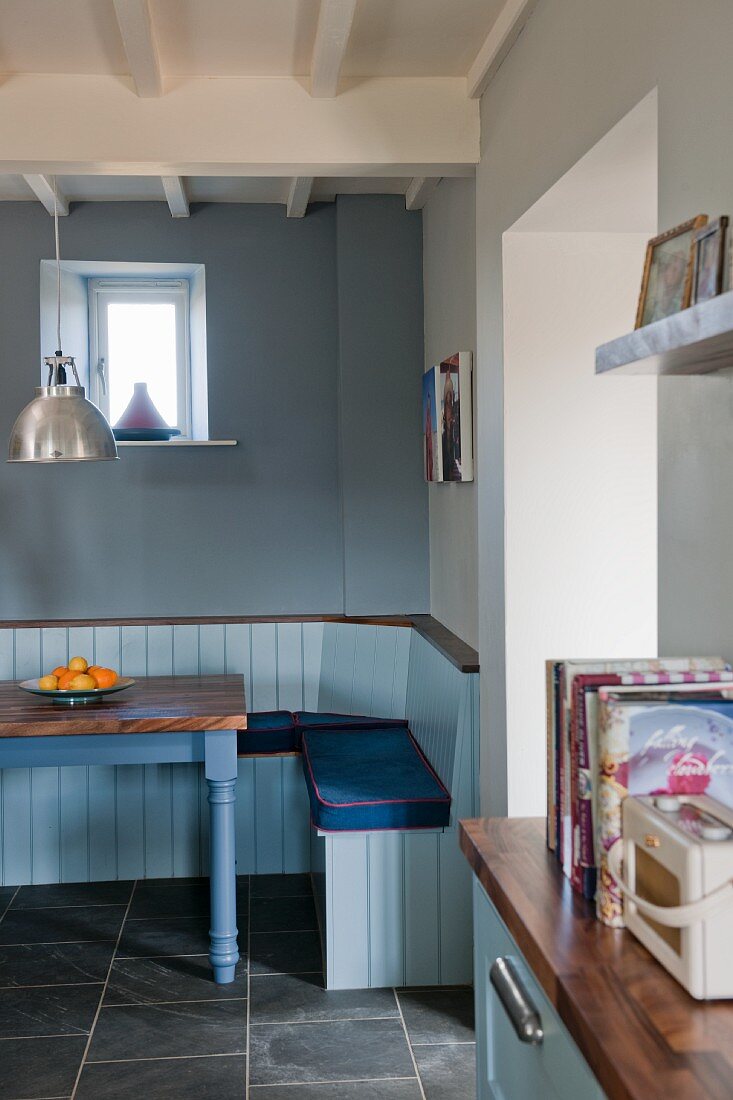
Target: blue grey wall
315, 352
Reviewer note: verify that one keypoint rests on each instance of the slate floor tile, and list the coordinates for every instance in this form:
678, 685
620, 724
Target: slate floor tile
176, 978
356, 1051
73, 893
173, 936
33, 1068
438, 1015
185, 900
291, 998
170, 1030
355, 1090
280, 886
62, 925
285, 952
447, 1072
283, 914
63, 1010
54, 963
221, 1078
6, 896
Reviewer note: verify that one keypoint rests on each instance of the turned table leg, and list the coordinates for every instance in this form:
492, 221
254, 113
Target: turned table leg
221, 776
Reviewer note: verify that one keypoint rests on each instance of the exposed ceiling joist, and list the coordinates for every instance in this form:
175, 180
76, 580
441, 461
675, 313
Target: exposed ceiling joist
419, 191
332, 37
299, 196
78, 125
138, 38
175, 196
506, 30
44, 189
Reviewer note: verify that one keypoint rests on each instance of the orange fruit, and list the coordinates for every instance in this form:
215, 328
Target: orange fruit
48, 683
65, 680
58, 672
94, 668
105, 677
82, 682
78, 664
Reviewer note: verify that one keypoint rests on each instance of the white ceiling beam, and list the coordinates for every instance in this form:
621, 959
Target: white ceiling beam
329, 49
506, 30
138, 38
419, 191
43, 188
269, 126
299, 196
175, 196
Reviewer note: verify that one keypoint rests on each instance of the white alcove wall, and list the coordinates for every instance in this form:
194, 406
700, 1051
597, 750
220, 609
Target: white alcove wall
580, 451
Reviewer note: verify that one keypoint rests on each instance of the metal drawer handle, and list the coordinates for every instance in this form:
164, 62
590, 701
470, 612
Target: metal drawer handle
524, 1017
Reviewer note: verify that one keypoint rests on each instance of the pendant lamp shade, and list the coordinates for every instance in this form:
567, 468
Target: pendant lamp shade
60, 425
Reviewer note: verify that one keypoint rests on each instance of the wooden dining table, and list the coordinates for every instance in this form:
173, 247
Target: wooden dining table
157, 720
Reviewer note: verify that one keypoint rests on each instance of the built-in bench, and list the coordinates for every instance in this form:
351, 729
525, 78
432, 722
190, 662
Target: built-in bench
394, 904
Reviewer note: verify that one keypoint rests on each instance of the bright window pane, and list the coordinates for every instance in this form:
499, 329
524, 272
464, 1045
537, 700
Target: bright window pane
141, 338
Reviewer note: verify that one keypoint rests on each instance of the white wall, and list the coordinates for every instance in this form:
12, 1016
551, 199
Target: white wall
449, 275
580, 478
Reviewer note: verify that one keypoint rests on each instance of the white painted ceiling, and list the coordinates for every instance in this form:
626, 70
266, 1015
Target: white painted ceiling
245, 37
235, 38
201, 188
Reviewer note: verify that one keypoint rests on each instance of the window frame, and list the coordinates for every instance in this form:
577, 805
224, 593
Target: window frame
102, 292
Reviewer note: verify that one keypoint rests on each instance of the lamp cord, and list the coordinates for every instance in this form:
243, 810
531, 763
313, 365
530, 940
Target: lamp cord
58, 268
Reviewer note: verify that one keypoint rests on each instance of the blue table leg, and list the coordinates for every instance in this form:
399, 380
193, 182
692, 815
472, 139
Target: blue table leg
220, 756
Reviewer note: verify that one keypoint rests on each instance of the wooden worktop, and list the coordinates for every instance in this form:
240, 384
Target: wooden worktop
153, 704
641, 1033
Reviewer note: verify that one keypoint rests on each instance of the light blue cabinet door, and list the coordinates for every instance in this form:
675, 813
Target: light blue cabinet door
507, 1068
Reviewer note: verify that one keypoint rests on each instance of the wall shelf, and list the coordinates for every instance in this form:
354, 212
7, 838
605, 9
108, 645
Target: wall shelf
176, 443
697, 340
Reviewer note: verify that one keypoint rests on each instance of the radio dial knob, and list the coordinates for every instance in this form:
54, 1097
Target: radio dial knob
667, 803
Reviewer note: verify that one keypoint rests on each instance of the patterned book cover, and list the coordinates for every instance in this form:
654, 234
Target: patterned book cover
679, 741
567, 672
584, 785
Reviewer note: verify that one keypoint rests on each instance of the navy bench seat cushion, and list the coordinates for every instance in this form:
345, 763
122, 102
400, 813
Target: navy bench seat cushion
311, 719
371, 779
268, 732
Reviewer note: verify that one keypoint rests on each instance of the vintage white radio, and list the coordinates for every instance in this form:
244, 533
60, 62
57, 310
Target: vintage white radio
677, 877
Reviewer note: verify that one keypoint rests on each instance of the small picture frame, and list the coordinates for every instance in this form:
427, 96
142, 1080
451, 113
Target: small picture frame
666, 286
708, 271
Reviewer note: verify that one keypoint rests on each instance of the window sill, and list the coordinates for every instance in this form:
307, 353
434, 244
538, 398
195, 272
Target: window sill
176, 443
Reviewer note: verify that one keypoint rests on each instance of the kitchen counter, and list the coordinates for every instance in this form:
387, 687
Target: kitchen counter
641, 1034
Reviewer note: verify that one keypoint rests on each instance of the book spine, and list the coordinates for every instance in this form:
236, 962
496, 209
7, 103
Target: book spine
550, 684
585, 782
613, 758
559, 758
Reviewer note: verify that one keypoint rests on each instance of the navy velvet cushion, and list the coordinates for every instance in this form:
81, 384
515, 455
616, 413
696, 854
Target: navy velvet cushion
371, 779
310, 719
268, 732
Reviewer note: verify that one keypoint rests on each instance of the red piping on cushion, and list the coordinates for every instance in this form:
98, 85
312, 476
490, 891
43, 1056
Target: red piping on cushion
382, 829
376, 801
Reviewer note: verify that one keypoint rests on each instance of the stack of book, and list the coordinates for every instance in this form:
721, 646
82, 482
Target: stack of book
615, 727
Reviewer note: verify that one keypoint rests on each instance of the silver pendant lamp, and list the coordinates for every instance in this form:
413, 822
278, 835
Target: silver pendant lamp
60, 424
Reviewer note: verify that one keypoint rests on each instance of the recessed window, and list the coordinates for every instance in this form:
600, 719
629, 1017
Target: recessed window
139, 332
127, 322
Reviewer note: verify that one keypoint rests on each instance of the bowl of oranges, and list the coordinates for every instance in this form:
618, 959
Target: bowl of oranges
77, 682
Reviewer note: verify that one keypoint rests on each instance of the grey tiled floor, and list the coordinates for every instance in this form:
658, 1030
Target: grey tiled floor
106, 992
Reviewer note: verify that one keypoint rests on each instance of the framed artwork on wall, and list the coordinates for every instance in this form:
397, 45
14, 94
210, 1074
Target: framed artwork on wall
447, 418
431, 441
666, 286
456, 416
710, 246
